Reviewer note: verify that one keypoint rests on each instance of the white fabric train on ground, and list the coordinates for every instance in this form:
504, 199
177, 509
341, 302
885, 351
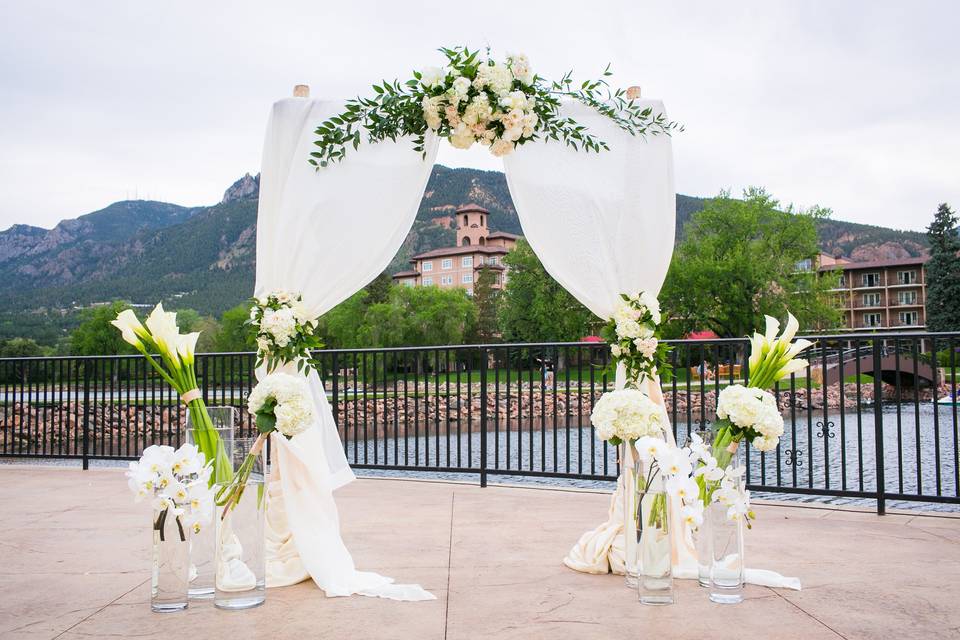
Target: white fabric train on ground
310, 228
603, 224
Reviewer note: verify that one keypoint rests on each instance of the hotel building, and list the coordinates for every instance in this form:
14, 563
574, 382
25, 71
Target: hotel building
883, 294
458, 267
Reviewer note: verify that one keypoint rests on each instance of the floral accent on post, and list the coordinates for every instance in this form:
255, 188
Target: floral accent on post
177, 481
634, 337
500, 104
286, 331
280, 402
176, 365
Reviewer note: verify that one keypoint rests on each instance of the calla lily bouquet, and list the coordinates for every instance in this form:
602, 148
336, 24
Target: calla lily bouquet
176, 364
749, 412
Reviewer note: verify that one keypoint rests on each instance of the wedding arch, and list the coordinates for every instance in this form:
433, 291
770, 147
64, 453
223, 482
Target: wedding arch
590, 171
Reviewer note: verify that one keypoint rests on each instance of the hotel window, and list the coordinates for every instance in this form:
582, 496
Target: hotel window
872, 320
842, 281
428, 266
871, 299
446, 263
493, 260
907, 297
805, 265
427, 281
907, 277
466, 261
408, 283
446, 279
467, 278
871, 279
908, 318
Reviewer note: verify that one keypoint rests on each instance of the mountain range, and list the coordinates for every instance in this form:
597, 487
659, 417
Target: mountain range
203, 257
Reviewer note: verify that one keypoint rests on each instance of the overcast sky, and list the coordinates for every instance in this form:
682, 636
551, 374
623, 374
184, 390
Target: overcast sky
851, 105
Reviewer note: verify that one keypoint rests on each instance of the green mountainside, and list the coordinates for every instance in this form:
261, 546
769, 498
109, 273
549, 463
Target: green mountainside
203, 257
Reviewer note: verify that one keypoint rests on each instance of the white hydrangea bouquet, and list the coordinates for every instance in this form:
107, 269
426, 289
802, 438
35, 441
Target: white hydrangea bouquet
625, 415
286, 331
634, 337
280, 402
177, 482
499, 104
747, 413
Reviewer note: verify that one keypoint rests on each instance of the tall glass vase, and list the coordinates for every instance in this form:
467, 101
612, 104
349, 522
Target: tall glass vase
241, 558
203, 544
171, 563
702, 536
726, 540
631, 471
655, 565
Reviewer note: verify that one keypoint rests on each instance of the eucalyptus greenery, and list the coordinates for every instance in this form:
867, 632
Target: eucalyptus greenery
477, 99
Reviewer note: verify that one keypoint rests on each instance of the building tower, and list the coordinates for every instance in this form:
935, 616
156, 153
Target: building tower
472, 227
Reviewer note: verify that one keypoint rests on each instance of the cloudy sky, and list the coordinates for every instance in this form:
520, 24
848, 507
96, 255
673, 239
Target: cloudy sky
850, 105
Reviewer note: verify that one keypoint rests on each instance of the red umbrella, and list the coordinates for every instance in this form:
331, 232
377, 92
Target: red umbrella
702, 335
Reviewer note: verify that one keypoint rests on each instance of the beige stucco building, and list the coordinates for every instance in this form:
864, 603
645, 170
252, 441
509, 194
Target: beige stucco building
457, 267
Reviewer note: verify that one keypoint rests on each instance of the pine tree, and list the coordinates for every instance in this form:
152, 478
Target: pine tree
943, 272
487, 300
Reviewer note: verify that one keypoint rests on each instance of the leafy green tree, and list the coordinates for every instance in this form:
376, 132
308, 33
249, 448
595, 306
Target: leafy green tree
745, 258
943, 272
235, 334
487, 300
534, 307
379, 289
419, 316
340, 325
20, 348
96, 336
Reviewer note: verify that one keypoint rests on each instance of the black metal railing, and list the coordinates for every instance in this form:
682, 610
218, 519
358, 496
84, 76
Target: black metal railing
523, 410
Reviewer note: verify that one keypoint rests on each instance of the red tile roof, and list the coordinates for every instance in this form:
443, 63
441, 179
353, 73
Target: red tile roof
503, 234
456, 251
876, 264
471, 207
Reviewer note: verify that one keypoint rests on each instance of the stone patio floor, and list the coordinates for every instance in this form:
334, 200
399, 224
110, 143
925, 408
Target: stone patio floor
74, 558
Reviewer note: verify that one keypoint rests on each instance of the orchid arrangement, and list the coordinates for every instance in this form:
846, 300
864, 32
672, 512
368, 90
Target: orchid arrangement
280, 402
473, 99
634, 337
177, 482
286, 331
176, 365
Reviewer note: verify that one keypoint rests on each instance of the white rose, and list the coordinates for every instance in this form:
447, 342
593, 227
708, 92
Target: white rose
616, 350
646, 346
501, 148
432, 77
462, 86
652, 304
462, 137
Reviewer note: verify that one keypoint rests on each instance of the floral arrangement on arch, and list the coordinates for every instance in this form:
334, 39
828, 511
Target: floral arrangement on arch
286, 331
634, 337
500, 104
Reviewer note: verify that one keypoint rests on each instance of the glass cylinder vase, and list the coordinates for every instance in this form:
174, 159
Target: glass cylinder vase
631, 473
203, 543
702, 536
726, 540
171, 562
655, 546
240, 554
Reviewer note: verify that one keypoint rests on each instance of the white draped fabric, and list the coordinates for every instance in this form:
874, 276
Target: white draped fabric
325, 234
603, 224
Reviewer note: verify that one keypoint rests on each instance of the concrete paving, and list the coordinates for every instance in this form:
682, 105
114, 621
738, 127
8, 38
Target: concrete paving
74, 559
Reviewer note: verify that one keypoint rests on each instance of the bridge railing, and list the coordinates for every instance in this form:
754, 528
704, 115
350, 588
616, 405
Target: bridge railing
523, 410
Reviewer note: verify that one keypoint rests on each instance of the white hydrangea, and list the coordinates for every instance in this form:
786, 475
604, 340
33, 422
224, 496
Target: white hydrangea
294, 409
750, 408
627, 414
629, 329
501, 147
280, 323
646, 346
495, 76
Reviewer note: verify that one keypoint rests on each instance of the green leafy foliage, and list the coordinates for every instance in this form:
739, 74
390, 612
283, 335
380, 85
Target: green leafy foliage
535, 308
96, 336
738, 261
943, 272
